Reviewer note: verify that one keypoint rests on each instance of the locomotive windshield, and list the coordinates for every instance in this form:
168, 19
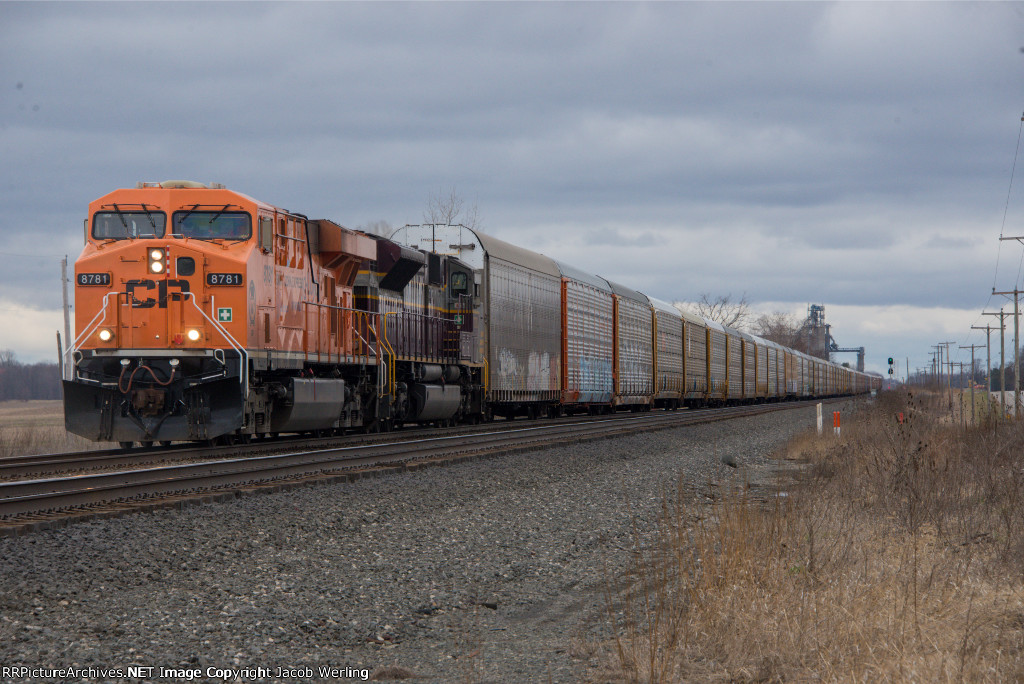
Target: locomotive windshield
212, 225
124, 225
459, 283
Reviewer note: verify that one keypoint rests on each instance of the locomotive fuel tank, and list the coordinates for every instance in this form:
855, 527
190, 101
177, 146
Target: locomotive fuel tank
434, 402
308, 404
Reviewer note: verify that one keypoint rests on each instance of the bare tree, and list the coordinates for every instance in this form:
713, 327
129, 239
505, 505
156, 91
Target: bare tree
722, 309
22, 382
780, 327
449, 209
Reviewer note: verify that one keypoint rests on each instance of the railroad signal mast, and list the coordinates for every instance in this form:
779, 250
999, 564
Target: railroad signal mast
891, 382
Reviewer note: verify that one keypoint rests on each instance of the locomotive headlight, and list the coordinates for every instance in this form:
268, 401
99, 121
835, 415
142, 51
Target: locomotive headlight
156, 261
106, 335
194, 335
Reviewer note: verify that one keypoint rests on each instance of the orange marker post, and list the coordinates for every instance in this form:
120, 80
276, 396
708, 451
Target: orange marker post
835, 421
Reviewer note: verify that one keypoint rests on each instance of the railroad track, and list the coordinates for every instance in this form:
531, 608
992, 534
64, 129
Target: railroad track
33, 504
39, 465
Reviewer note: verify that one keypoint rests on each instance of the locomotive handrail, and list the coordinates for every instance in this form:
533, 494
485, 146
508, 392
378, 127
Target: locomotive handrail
487, 376
381, 370
243, 356
366, 342
390, 365
369, 348
70, 368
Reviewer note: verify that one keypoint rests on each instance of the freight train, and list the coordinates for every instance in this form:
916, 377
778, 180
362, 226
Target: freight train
204, 314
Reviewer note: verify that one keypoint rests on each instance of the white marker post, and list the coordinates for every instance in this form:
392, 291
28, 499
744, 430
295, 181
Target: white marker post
819, 419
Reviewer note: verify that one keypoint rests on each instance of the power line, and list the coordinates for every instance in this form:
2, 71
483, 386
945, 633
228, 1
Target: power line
1002, 228
1006, 208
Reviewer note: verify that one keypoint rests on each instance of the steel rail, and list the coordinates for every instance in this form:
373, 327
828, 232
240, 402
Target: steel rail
41, 465
23, 497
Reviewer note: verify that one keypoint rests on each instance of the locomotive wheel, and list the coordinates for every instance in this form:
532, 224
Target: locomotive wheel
125, 445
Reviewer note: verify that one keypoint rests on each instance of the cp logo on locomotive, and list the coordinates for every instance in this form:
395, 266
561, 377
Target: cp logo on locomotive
162, 289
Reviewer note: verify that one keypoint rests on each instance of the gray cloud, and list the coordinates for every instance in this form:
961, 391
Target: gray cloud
857, 153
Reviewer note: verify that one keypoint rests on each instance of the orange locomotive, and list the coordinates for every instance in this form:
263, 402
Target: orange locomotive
203, 313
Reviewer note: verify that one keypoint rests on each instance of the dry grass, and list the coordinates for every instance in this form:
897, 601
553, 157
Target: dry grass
37, 427
901, 558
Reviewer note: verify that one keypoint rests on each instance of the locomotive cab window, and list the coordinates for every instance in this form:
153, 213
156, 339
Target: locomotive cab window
266, 233
212, 225
460, 283
125, 225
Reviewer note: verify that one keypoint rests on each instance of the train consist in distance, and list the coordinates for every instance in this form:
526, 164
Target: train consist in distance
204, 314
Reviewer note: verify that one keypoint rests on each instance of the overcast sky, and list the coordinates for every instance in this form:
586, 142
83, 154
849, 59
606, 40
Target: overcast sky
856, 155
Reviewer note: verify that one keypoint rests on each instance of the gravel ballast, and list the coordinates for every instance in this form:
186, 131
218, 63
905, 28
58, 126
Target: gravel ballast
488, 571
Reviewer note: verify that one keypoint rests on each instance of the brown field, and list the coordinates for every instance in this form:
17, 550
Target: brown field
900, 557
37, 427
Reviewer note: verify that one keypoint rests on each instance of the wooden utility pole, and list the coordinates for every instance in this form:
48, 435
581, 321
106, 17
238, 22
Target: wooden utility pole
67, 314
1002, 359
963, 420
949, 378
1016, 333
972, 347
988, 353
